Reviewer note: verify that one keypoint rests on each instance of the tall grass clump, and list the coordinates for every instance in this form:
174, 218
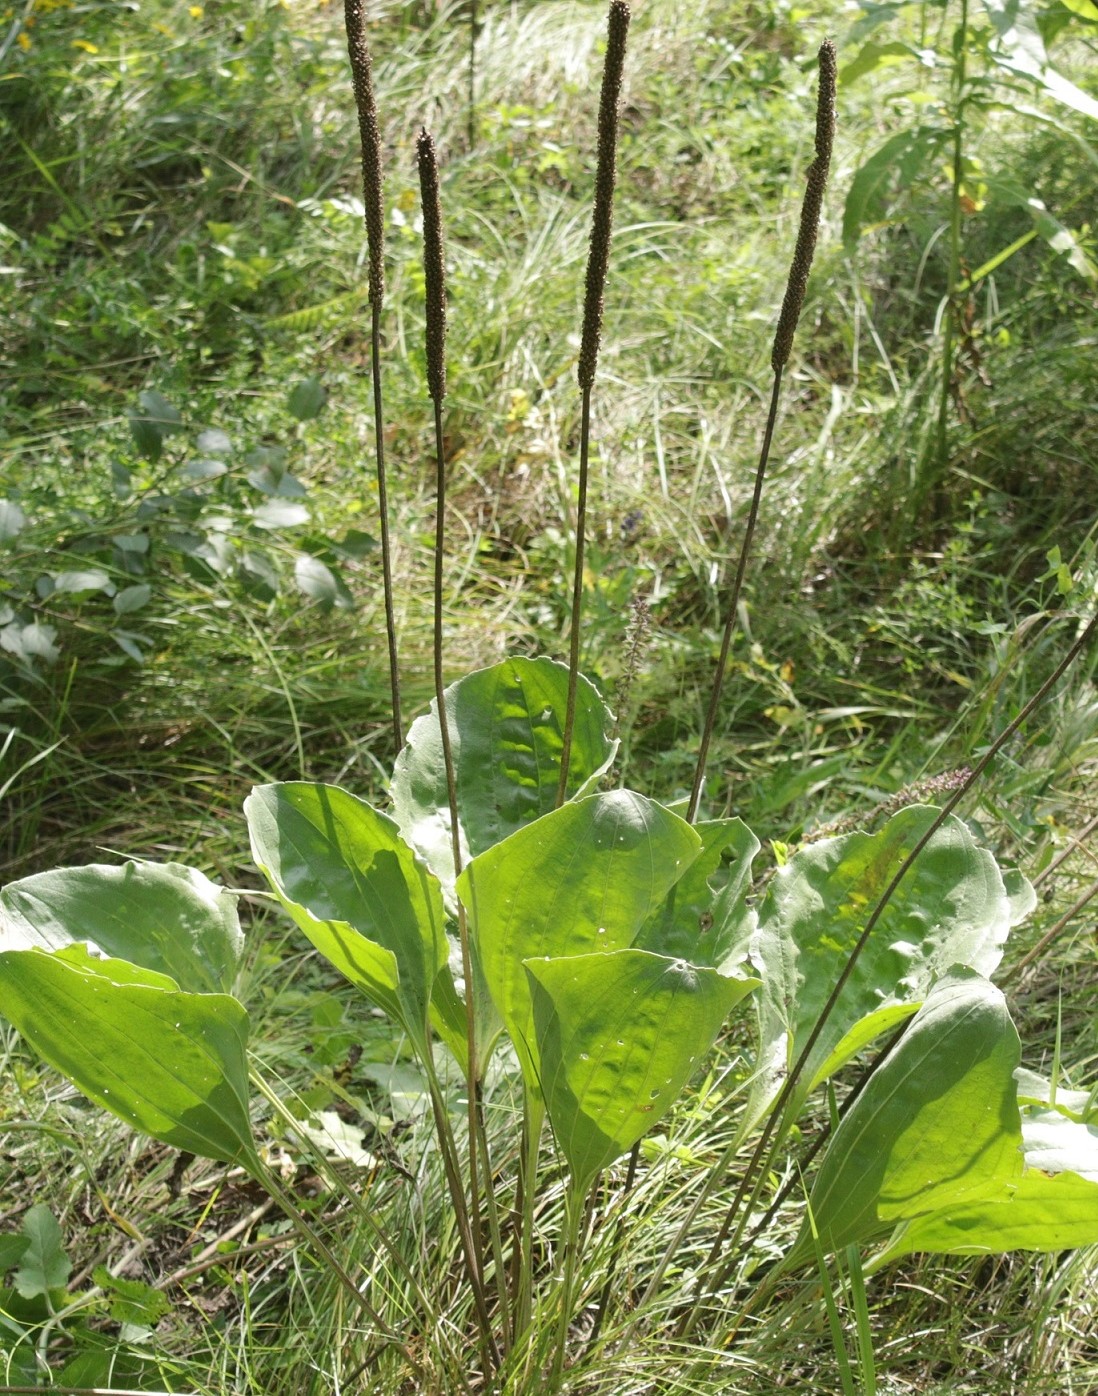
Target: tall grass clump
561, 958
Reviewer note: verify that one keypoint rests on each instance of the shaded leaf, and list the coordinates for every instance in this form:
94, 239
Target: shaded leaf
43, 1265
705, 918
506, 724
346, 876
950, 908
164, 917
307, 399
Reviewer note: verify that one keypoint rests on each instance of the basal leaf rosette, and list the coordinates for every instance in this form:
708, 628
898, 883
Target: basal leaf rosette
117, 977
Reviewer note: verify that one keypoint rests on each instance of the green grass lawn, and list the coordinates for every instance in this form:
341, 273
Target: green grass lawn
192, 607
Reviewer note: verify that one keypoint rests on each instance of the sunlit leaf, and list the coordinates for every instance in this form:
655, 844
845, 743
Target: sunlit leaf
618, 1037
582, 879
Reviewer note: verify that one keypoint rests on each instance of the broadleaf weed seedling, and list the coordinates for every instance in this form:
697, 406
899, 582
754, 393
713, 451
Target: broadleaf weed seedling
600, 943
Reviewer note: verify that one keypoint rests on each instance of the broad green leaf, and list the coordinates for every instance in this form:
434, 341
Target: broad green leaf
872, 56
307, 399
1052, 1206
950, 908
11, 1248
343, 872
131, 599
1036, 1213
936, 1126
618, 1036
1023, 53
898, 162
506, 726
164, 917
44, 1264
319, 582
705, 917
169, 1063
581, 880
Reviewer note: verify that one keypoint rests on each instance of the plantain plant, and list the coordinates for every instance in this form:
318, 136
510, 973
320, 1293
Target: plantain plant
507, 905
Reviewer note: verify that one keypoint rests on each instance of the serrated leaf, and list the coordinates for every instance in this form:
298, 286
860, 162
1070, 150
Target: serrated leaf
43, 1266
307, 399
132, 1301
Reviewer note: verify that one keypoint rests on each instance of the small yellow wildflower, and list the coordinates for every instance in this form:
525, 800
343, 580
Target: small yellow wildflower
195, 11
83, 44
24, 41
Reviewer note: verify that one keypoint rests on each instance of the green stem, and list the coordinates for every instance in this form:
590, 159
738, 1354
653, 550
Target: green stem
255, 1167
469, 1247
572, 1242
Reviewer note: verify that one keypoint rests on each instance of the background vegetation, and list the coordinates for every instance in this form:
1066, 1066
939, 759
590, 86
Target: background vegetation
189, 578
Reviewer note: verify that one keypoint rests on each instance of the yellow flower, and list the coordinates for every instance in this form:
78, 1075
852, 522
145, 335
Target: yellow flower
24, 41
83, 44
195, 11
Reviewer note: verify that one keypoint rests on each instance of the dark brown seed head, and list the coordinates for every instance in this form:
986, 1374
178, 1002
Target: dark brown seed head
361, 78
810, 210
434, 267
602, 221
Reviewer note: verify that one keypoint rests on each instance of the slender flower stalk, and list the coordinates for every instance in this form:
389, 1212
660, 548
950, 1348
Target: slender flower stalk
792, 305
372, 192
434, 269
598, 261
